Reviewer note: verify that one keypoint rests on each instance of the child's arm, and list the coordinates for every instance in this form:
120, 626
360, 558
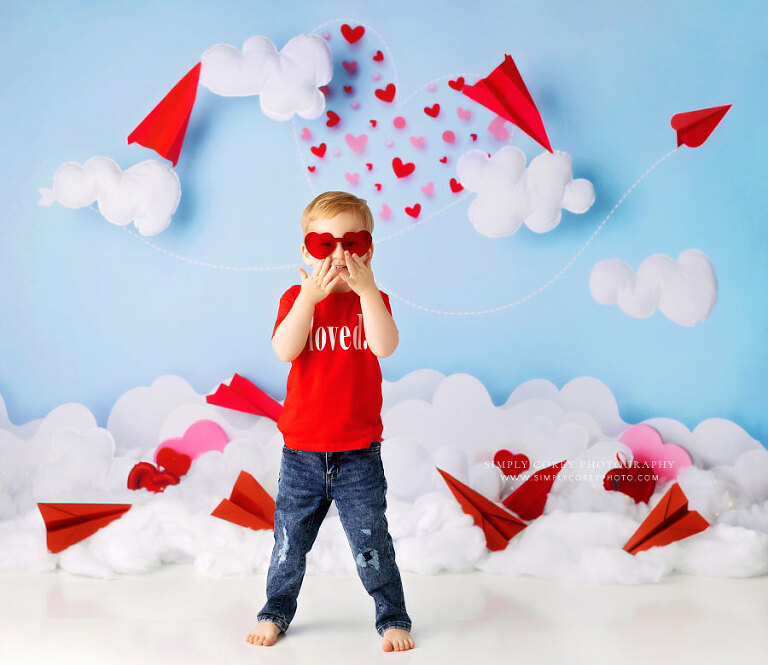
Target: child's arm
291, 335
380, 329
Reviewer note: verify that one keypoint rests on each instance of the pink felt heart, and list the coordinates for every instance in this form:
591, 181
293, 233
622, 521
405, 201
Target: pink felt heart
350, 66
428, 189
449, 136
357, 143
497, 129
665, 459
306, 135
386, 212
200, 437
417, 141
464, 114
352, 178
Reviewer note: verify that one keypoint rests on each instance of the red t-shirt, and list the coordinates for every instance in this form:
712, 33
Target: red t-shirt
333, 401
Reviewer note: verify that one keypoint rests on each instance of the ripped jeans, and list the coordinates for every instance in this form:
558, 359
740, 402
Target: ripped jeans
309, 482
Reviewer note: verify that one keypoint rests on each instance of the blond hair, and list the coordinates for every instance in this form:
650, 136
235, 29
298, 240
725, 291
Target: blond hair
329, 204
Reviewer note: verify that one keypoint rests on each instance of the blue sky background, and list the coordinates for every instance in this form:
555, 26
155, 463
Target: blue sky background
88, 311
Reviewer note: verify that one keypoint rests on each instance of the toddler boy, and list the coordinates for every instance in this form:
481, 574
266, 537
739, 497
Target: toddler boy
332, 328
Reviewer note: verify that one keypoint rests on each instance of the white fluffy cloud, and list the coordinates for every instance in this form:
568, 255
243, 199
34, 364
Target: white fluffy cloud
685, 290
286, 81
429, 420
510, 195
146, 194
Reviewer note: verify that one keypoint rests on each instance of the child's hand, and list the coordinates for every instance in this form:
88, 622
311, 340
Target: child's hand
320, 283
360, 277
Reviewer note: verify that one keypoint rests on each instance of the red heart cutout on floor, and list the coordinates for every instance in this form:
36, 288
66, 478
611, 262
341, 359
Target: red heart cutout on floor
148, 476
414, 211
456, 186
636, 480
350, 66
333, 119
510, 464
457, 84
319, 150
402, 170
432, 111
378, 56
386, 94
172, 461
351, 34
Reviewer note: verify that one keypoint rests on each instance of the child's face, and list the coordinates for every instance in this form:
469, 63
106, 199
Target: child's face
338, 226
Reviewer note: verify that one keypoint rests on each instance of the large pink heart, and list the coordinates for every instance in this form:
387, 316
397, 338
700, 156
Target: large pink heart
665, 459
200, 437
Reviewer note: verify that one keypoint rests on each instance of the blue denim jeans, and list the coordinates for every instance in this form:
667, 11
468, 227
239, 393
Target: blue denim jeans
308, 483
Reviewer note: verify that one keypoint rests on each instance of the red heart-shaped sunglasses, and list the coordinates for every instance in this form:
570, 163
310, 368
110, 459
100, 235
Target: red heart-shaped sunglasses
321, 245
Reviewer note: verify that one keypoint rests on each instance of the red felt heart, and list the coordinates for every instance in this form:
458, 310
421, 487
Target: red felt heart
350, 66
311, 169
386, 94
148, 476
456, 186
333, 119
348, 89
351, 34
170, 460
510, 464
432, 111
373, 123
402, 170
369, 166
319, 150
457, 84
414, 211
378, 56
636, 480
378, 187
474, 137
443, 160
325, 89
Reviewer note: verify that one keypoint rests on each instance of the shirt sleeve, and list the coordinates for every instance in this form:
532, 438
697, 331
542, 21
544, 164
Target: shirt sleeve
286, 302
385, 298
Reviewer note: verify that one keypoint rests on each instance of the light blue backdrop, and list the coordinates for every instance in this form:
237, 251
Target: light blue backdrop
88, 311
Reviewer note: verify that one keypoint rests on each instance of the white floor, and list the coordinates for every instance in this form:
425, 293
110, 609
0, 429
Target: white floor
175, 616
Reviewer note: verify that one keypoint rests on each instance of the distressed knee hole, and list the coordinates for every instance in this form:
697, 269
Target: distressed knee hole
368, 558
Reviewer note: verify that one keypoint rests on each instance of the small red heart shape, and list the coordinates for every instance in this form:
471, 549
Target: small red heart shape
311, 169
378, 187
325, 89
333, 119
510, 464
432, 111
402, 170
373, 123
414, 211
319, 150
636, 480
456, 186
146, 475
348, 89
378, 56
174, 462
351, 34
386, 94
457, 84
474, 137
443, 160
350, 66
369, 166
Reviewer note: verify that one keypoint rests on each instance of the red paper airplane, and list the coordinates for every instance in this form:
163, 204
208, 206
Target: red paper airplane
503, 92
669, 521
694, 127
242, 395
69, 523
498, 525
249, 504
164, 128
528, 500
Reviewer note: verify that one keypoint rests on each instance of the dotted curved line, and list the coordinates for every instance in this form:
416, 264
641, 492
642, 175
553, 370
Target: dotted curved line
555, 278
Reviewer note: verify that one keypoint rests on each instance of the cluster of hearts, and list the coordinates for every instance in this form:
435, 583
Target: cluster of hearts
251, 506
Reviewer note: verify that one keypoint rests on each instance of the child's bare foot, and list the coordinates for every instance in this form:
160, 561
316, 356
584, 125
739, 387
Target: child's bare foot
396, 639
264, 634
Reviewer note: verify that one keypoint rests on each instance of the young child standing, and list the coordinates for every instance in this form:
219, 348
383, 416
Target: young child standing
332, 328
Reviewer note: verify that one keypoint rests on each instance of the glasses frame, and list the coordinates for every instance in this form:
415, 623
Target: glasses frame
336, 241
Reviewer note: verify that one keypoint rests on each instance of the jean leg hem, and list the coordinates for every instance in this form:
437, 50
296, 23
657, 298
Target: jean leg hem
273, 619
394, 624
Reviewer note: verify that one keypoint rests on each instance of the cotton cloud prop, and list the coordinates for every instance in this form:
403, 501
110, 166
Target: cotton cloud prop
684, 290
287, 81
429, 420
146, 194
510, 195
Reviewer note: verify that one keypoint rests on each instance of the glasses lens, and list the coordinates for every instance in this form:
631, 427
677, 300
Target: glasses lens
319, 245
357, 242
